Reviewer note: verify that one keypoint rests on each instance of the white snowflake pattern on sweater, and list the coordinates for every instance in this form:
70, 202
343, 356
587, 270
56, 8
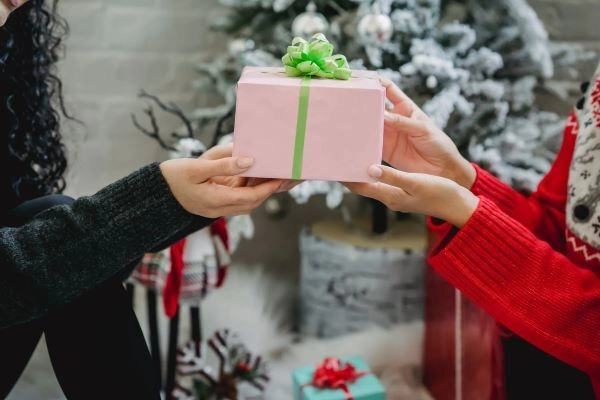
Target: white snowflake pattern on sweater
583, 211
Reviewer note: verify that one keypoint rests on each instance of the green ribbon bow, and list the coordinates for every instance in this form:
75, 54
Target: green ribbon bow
315, 58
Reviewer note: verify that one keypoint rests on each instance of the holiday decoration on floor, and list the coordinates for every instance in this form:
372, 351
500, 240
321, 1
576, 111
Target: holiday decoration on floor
334, 379
463, 349
324, 120
189, 269
236, 373
350, 280
393, 354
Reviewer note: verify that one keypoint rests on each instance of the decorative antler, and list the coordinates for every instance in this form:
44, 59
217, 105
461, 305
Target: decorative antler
251, 369
240, 363
170, 108
219, 131
236, 365
155, 132
190, 361
182, 393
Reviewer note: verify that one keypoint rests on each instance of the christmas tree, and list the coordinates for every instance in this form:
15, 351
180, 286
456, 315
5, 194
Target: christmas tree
473, 65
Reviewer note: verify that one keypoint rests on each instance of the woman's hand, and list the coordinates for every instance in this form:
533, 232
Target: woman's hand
226, 150
419, 193
412, 142
210, 186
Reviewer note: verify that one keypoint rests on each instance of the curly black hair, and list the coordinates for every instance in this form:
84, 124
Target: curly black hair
31, 103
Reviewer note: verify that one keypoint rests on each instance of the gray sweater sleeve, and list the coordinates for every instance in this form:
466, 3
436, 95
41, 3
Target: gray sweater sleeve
68, 250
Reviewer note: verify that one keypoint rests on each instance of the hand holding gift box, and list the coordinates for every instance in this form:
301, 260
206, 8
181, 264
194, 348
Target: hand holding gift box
313, 119
334, 379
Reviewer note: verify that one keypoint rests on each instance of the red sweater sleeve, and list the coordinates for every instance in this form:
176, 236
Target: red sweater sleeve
527, 286
543, 212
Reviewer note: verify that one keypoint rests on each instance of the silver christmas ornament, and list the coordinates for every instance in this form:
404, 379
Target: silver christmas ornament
431, 82
238, 46
275, 207
310, 22
375, 28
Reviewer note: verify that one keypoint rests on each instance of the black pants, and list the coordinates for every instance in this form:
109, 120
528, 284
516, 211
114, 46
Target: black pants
95, 344
532, 374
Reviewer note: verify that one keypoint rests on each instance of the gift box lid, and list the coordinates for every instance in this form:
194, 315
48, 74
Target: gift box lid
360, 79
367, 387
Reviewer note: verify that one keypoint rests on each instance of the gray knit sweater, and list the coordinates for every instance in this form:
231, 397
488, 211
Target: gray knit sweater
68, 250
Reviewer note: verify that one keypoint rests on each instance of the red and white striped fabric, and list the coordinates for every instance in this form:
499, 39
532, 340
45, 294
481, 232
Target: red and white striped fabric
189, 269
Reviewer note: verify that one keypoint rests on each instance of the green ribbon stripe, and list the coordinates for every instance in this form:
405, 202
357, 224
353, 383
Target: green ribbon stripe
308, 59
301, 128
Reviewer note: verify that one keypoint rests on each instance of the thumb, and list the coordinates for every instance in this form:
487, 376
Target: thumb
229, 166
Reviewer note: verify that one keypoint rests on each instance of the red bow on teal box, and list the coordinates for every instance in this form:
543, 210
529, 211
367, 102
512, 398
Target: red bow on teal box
334, 379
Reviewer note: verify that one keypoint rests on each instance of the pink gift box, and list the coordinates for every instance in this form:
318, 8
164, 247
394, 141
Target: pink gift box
299, 128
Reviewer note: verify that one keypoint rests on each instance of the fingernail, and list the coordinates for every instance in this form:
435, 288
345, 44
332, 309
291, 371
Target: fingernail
375, 171
15, 3
387, 115
245, 162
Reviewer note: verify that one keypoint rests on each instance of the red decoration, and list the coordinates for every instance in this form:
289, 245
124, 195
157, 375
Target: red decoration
474, 370
236, 366
332, 373
172, 290
173, 285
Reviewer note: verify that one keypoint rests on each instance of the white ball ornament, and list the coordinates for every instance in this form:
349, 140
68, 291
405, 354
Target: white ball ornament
375, 28
239, 46
431, 82
309, 22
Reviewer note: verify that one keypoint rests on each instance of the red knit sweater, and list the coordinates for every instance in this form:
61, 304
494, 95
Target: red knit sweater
517, 259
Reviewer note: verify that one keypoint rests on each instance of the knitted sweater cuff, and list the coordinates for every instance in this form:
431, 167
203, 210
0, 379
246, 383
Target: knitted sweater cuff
485, 185
493, 188
464, 257
439, 227
143, 202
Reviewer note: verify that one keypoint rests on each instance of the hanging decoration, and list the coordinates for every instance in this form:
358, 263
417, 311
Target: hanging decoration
310, 22
375, 28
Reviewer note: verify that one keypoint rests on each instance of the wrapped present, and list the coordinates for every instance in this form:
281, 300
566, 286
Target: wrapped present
462, 345
339, 295
313, 119
334, 379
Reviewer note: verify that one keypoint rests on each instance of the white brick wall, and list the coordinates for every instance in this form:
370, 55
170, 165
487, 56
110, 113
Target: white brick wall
115, 49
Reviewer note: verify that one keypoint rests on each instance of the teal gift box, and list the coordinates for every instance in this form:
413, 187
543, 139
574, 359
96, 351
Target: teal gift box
366, 387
